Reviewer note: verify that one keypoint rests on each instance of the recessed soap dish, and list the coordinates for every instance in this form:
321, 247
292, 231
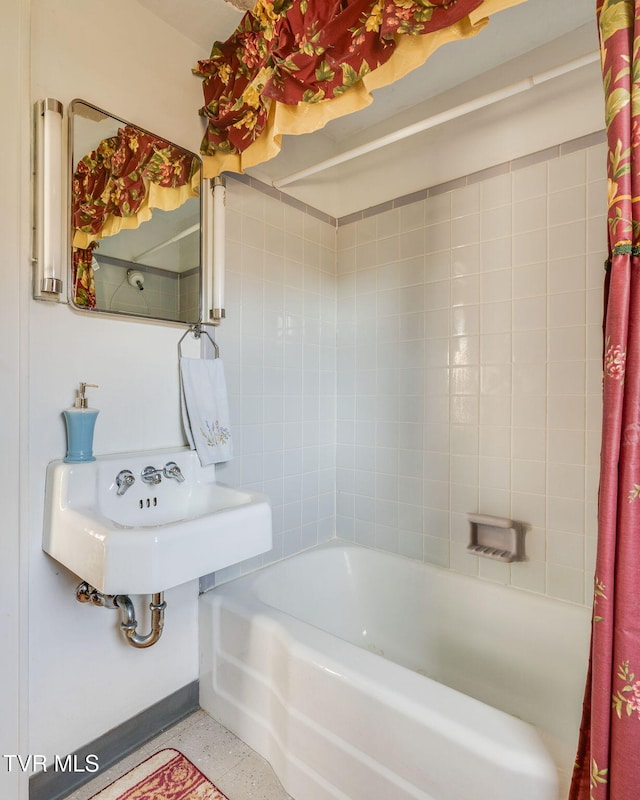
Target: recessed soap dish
496, 537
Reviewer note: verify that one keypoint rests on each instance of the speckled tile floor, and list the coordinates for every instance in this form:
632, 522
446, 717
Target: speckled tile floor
237, 770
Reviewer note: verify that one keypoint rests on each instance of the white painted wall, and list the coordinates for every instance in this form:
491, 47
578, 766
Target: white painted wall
83, 678
14, 216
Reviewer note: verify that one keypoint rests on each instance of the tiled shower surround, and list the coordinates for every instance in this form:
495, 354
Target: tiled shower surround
278, 343
167, 294
440, 355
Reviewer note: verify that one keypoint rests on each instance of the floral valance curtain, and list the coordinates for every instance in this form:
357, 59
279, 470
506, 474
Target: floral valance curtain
117, 186
128, 175
293, 65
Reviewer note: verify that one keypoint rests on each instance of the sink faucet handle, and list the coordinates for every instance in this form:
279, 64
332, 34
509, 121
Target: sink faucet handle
151, 475
172, 470
124, 480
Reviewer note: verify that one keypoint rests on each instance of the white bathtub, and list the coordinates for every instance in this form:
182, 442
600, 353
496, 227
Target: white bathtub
477, 694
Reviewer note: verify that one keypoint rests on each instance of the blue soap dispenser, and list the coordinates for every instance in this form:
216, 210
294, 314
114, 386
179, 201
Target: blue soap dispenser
80, 421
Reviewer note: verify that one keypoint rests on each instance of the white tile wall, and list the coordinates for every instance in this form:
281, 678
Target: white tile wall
159, 298
468, 371
440, 357
165, 295
278, 347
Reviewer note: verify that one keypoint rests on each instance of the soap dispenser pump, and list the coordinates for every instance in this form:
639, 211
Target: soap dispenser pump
80, 421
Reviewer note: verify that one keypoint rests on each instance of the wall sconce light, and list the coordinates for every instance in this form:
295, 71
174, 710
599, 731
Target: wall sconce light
49, 229
218, 189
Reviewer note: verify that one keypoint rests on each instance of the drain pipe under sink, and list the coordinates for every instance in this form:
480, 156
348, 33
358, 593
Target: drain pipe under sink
85, 593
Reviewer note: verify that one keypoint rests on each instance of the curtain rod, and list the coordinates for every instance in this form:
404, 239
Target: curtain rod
167, 242
439, 119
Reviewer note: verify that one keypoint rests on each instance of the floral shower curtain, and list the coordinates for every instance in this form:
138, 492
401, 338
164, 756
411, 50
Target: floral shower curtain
608, 761
116, 187
293, 65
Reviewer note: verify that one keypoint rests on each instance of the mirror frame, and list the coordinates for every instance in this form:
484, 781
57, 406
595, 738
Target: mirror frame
203, 245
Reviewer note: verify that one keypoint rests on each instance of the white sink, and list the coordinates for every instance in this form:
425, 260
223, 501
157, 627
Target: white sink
152, 536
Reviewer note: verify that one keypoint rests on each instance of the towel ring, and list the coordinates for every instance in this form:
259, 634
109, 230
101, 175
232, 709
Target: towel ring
197, 331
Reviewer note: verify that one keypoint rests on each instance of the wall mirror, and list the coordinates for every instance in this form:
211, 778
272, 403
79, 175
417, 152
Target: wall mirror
136, 216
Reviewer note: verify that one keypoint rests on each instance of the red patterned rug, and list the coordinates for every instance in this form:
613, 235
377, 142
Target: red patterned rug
167, 775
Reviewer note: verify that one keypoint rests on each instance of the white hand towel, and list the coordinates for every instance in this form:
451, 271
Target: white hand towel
205, 409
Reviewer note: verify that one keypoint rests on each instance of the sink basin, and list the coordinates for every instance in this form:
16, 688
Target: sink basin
151, 536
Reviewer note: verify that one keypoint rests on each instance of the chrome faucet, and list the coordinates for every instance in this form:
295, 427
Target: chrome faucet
172, 470
124, 481
151, 475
